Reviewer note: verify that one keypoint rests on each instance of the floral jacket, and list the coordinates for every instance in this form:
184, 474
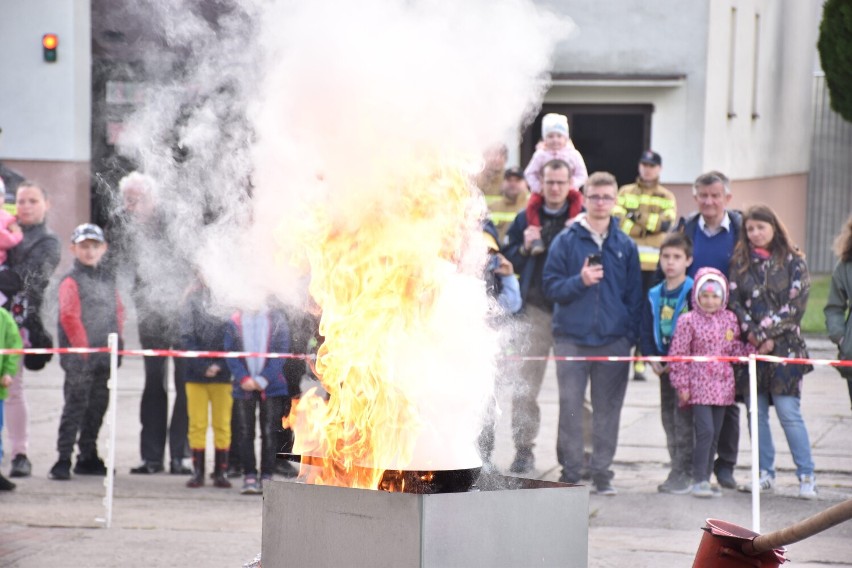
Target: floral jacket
769, 297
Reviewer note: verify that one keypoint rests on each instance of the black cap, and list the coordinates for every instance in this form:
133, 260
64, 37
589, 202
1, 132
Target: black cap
650, 157
513, 172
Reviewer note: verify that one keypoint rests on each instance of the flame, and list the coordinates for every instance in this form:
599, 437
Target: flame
378, 280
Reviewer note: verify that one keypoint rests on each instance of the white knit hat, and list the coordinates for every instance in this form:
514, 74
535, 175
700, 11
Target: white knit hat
553, 122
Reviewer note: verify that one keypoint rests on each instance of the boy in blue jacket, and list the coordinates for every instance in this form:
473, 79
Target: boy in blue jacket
666, 302
259, 386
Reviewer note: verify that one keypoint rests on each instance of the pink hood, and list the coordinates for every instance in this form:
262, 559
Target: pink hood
712, 275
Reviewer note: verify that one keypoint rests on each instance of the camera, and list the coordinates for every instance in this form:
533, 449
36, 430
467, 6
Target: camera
595, 259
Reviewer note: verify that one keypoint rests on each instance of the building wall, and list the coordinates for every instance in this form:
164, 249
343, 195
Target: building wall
787, 195
67, 186
45, 108
652, 38
764, 79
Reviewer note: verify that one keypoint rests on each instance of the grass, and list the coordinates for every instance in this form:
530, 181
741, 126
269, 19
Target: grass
814, 320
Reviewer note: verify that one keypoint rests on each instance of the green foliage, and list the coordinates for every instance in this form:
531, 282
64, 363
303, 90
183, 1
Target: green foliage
835, 53
814, 320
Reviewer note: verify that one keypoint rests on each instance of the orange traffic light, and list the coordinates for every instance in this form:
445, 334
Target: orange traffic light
49, 42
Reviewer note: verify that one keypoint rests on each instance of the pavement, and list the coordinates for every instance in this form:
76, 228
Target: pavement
159, 522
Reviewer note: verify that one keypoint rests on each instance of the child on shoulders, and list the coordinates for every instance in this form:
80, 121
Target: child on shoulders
556, 145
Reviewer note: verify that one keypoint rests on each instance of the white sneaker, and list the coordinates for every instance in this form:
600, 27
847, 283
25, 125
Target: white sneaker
766, 483
702, 489
807, 487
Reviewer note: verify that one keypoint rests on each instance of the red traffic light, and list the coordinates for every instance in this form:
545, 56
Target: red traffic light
49, 42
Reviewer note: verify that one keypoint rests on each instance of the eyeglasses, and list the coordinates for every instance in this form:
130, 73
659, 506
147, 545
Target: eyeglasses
601, 198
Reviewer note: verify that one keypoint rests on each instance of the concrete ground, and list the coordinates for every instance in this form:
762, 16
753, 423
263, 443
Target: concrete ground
158, 522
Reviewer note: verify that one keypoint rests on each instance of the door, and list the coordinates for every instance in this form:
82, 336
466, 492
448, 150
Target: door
610, 137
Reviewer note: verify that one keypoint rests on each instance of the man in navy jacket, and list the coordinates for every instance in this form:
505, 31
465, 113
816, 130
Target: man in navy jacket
593, 276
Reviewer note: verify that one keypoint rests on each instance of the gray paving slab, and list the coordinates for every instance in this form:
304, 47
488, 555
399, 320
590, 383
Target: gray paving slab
159, 522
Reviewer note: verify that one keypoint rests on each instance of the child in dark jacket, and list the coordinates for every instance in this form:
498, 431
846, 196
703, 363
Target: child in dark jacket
665, 304
208, 387
709, 330
259, 386
90, 309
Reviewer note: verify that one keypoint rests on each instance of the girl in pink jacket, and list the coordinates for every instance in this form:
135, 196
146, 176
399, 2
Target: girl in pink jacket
709, 330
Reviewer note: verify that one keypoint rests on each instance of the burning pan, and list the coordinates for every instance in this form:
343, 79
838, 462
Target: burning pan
419, 482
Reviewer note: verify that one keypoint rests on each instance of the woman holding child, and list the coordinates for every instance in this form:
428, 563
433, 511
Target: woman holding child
33, 261
769, 292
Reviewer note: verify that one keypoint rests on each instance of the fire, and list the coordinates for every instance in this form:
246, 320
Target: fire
387, 285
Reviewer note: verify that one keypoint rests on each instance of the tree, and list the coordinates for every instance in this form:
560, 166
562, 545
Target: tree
835, 53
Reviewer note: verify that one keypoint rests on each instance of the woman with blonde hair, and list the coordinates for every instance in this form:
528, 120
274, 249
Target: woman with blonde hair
840, 300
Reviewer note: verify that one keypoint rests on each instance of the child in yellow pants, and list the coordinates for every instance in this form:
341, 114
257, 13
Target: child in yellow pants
208, 388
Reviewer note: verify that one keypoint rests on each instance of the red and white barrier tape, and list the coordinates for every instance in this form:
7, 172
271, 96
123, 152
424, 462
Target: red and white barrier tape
308, 356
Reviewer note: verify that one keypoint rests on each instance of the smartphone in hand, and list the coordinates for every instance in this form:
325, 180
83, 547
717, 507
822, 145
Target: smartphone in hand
595, 259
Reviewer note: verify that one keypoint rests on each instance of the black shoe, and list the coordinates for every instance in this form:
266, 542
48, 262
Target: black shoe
146, 468
537, 247
286, 468
639, 376
5, 484
90, 465
177, 468
21, 466
604, 487
234, 470
726, 479
61, 470
524, 462
565, 478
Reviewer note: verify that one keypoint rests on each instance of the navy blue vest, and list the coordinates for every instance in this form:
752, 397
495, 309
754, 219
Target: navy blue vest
712, 251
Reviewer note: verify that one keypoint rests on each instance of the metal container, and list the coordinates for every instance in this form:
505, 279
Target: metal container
503, 521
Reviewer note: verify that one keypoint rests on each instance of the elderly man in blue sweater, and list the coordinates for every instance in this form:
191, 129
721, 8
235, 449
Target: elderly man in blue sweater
593, 276
714, 230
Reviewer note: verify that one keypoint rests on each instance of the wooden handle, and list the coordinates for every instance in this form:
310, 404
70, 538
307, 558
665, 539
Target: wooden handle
801, 530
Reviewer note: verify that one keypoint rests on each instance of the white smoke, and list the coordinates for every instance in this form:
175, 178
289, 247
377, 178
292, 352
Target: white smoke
344, 102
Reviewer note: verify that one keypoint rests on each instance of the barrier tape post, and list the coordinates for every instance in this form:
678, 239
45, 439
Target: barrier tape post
755, 443
109, 482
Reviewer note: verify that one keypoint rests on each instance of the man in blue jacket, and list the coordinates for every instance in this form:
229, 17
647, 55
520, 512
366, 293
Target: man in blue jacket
593, 276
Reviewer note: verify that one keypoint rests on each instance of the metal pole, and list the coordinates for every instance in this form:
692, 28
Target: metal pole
112, 385
755, 444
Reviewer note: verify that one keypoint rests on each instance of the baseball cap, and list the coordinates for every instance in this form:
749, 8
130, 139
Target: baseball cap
87, 232
513, 172
650, 157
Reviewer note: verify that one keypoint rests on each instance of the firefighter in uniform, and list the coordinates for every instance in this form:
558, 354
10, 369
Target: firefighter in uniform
646, 211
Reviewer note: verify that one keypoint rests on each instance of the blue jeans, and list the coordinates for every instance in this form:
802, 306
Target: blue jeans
789, 414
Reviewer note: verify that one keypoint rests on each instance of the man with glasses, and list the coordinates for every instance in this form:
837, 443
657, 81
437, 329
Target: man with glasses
714, 231
537, 311
593, 275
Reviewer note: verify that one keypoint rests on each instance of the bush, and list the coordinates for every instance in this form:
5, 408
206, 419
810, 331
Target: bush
835, 53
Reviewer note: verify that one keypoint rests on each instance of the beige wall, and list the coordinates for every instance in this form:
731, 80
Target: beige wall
67, 186
787, 195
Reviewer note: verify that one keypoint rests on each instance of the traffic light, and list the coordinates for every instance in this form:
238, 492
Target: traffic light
49, 43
